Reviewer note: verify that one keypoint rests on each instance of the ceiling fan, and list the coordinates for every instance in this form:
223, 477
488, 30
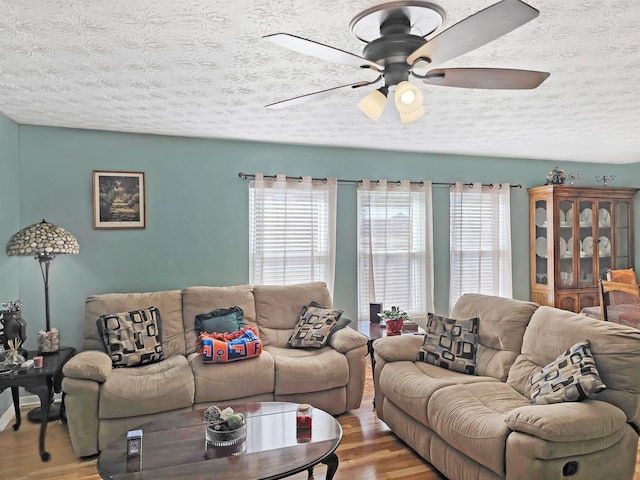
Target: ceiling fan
397, 48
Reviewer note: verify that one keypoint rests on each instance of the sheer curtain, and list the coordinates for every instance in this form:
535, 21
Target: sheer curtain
292, 230
480, 240
395, 247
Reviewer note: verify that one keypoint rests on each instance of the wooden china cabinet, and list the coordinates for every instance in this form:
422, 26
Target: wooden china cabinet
576, 235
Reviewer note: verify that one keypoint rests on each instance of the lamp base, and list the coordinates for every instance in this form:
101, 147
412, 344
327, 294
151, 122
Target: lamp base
56, 413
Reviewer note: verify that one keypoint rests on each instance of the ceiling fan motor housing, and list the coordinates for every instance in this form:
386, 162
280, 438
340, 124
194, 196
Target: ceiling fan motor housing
393, 46
392, 52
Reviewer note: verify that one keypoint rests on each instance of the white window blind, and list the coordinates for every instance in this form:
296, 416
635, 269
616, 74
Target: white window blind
395, 247
480, 240
292, 231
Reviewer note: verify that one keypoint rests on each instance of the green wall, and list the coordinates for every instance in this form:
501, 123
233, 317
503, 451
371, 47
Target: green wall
9, 207
9, 220
197, 211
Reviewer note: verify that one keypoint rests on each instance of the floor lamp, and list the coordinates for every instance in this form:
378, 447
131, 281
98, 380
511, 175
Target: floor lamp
43, 241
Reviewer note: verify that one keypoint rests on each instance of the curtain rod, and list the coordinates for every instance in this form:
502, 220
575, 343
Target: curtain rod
247, 176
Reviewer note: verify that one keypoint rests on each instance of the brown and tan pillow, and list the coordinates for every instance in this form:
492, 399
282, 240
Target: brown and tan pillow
450, 343
572, 377
132, 338
617, 297
626, 275
315, 326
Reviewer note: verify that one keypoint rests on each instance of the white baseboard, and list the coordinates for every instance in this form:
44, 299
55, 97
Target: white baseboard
6, 418
25, 401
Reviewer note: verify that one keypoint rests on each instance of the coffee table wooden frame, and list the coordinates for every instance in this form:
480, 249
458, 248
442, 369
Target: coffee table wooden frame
175, 447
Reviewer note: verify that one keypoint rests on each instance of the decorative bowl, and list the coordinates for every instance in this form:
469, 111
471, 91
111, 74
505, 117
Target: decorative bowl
226, 438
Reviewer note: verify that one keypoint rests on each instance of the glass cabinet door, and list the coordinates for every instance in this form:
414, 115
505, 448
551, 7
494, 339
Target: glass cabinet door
541, 265
567, 244
588, 246
605, 240
621, 234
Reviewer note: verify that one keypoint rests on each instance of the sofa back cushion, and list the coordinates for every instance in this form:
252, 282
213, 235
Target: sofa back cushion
502, 325
278, 308
197, 300
169, 303
615, 349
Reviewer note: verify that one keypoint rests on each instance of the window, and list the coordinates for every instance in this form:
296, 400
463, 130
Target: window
480, 241
292, 231
395, 247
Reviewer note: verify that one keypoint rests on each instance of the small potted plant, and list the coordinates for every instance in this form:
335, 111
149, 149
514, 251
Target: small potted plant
224, 427
393, 320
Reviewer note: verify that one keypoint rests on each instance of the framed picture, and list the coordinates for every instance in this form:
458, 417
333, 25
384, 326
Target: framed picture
119, 200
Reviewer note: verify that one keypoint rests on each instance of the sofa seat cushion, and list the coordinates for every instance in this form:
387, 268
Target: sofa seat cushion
471, 418
156, 387
306, 370
410, 385
216, 382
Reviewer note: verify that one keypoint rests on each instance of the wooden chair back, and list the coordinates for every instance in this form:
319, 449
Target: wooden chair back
607, 287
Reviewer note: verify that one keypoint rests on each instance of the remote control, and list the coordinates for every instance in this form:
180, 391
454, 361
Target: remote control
27, 364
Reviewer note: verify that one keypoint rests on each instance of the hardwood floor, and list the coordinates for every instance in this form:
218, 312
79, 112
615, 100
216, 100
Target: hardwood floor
369, 451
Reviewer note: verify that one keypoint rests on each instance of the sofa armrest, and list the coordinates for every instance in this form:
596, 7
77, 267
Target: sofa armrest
565, 422
347, 339
399, 348
89, 365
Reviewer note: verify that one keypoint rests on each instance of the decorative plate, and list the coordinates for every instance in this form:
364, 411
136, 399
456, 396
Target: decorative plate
541, 217
586, 216
587, 246
570, 247
604, 247
541, 247
563, 247
561, 216
604, 218
568, 216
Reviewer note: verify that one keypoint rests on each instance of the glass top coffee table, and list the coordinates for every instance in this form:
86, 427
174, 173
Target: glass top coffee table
176, 447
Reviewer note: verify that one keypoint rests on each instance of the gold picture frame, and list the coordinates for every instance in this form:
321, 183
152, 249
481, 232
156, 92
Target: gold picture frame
119, 200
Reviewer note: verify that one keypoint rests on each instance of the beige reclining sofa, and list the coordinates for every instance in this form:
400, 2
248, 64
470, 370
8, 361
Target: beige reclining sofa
484, 427
103, 402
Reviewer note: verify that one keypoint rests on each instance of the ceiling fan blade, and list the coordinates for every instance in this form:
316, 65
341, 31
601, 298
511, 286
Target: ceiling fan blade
489, 78
320, 94
474, 31
320, 50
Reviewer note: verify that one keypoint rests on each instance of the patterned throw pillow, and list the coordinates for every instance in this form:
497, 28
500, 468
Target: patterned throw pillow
314, 328
571, 377
450, 343
132, 338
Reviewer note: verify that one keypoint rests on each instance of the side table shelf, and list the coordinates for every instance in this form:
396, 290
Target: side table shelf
41, 381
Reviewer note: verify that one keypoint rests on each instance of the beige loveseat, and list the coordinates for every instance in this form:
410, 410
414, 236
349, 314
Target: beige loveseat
484, 426
103, 402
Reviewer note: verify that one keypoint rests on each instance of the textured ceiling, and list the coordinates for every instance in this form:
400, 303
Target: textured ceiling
200, 68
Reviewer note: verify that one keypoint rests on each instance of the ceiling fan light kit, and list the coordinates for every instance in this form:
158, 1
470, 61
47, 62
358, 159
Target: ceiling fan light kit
396, 45
413, 116
408, 99
373, 104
